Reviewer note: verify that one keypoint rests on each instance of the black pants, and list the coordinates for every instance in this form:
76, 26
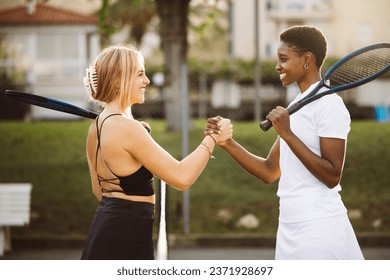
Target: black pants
120, 230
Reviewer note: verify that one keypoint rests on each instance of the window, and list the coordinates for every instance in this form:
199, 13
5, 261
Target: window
69, 46
46, 46
57, 55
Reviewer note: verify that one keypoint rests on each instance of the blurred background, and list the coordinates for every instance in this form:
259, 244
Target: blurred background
204, 58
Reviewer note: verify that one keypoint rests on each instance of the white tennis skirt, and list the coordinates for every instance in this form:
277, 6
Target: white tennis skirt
330, 238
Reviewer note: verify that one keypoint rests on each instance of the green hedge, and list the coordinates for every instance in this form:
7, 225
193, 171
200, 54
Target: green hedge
51, 155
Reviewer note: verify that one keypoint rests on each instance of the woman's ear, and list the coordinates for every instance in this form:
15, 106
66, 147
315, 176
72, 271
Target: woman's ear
308, 57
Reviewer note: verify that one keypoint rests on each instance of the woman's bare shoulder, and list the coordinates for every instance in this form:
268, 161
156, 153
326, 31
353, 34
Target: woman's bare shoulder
128, 129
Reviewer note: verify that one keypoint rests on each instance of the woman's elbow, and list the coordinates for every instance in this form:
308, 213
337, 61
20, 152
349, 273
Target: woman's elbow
182, 185
268, 178
333, 182
267, 181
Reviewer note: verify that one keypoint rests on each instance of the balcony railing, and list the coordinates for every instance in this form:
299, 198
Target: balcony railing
298, 9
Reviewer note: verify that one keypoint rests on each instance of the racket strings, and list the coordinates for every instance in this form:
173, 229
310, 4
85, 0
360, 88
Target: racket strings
360, 67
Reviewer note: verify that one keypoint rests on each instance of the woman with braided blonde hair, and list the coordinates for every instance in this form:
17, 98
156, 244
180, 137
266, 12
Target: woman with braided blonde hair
123, 158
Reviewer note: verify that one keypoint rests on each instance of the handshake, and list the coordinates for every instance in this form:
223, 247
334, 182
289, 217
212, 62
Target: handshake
220, 129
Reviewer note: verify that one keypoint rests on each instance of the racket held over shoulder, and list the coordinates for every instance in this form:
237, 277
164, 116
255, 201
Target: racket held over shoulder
355, 69
49, 103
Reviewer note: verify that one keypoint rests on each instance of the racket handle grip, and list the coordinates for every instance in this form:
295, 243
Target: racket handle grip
265, 125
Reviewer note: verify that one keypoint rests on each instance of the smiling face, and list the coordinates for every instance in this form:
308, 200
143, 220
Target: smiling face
139, 83
300, 56
290, 65
121, 76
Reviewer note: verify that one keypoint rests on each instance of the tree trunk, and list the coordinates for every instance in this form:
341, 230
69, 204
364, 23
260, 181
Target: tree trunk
173, 29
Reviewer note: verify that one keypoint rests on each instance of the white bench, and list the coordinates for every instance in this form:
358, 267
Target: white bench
14, 210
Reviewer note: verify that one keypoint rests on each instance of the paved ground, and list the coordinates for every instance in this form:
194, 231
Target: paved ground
370, 253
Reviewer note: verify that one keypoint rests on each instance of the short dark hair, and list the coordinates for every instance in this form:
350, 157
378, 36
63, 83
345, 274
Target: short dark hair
305, 38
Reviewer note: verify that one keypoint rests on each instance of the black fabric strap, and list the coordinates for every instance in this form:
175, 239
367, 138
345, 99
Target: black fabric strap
99, 133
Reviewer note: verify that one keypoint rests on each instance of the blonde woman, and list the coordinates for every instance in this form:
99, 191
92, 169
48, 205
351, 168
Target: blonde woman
123, 158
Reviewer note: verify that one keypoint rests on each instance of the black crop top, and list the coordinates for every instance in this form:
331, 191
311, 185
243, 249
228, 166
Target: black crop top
138, 183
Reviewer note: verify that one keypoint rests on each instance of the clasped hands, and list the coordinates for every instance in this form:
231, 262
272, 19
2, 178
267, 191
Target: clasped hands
220, 129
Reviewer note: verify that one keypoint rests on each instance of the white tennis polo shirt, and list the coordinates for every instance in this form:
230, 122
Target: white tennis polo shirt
302, 196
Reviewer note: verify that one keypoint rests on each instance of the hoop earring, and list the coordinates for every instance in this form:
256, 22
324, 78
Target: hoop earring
306, 66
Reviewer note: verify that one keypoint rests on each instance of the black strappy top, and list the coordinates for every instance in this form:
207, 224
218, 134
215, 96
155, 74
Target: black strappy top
139, 183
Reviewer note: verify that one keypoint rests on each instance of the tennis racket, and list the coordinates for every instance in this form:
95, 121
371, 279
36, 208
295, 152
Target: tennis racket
355, 69
49, 103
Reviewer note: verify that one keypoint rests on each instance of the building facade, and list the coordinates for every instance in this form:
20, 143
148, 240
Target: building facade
347, 24
50, 47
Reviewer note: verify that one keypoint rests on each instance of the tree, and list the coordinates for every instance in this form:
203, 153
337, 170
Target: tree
113, 16
106, 29
174, 19
136, 13
173, 16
